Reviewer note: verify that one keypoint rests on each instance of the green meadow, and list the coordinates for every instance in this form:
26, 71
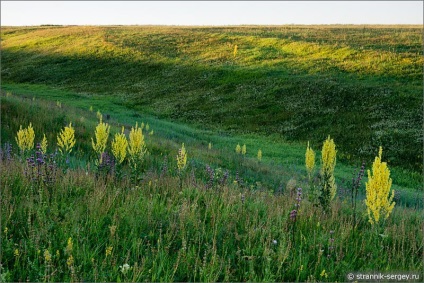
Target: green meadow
225, 216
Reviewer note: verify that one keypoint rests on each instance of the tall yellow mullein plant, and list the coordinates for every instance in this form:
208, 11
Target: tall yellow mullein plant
309, 160
328, 182
136, 145
310, 165
43, 144
328, 163
101, 134
378, 202
66, 139
25, 138
181, 163
181, 158
119, 146
238, 149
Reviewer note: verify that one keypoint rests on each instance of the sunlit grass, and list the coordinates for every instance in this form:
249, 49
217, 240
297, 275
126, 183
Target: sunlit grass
360, 84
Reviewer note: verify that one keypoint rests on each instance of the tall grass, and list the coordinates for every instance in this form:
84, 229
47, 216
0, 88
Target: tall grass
225, 233
205, 225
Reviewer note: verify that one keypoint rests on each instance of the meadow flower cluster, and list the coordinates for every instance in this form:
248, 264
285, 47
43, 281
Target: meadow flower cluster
249, 224
241, 149
379, 201
41, 165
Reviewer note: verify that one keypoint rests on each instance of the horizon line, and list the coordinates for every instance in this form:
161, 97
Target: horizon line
211, 25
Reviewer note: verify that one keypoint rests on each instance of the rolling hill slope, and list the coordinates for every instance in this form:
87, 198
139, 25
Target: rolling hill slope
361, 85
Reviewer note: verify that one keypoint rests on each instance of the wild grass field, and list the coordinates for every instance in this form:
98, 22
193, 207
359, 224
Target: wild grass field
217, 215
360, 84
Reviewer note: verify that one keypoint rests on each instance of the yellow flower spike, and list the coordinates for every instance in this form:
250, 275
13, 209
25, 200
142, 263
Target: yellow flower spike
210, 146
238, 149
44, 145
66, 139
136, 145
378, 186
119, 146
25, 138
259, 155
328, 161
16, 253
243, 149
309, 160
69, 246
20, 139
47, 256
70, 261
181, 158
99, 115
30, 137
108, 251
329, 155
102, 134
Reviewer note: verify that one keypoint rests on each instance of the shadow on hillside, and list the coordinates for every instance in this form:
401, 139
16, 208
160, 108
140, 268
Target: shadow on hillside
360, 114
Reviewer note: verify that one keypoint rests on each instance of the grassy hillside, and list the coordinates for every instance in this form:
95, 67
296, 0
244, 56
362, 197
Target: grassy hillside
225, 217
362, 85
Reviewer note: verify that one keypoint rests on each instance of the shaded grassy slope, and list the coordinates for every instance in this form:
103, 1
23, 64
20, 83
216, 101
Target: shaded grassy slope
361, 85
282, 160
